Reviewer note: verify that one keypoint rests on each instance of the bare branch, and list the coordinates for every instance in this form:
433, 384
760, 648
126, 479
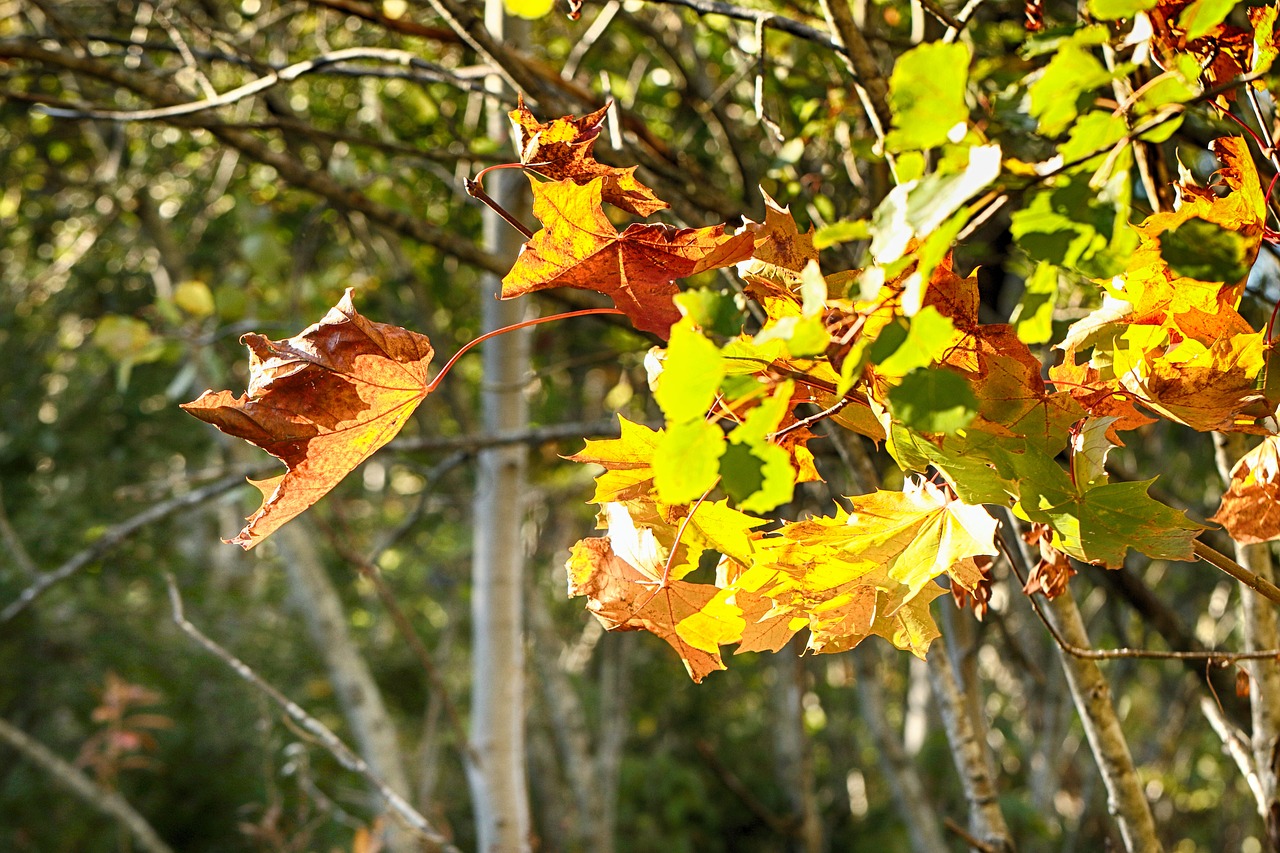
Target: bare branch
331, 742
289, 168
870, 82
532, 436
1253, 580
112, 538
110, 803
261, 84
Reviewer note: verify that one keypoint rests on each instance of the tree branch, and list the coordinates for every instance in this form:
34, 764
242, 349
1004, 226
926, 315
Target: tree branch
331, 742
1092, 696
110, 803
1253, 580
290, 169
112, 538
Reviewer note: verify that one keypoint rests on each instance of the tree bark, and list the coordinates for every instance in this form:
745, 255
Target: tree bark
965, 737
1260, 632
353, 683
498, 786
1092, 697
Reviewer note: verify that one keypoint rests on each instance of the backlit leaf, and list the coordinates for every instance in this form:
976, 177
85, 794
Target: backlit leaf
626, 598
927, 104
579, 247
1250, 509
322, 402
561, 150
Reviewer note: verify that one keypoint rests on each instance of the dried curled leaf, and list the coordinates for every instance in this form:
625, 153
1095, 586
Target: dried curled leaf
579, 247
1251, 507
561, 149
322, 402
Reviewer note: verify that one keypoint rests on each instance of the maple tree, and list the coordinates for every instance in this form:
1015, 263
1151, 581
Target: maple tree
773, 344
953, 398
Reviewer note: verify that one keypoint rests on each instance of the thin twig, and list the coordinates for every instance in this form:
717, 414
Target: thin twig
331, 742
812, 419
408, 633
110, 803
933, 7
275, 78
477, 192
1255, 582
1221, 658
112, 538
968, 838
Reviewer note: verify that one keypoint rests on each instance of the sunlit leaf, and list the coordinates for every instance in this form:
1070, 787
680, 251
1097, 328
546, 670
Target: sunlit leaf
579, 247
322, 402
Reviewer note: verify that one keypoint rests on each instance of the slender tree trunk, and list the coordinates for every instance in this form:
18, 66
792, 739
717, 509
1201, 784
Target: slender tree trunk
353, 683
1092, 697
909, 795
1260, 632
498, 786
791, 747
966, 738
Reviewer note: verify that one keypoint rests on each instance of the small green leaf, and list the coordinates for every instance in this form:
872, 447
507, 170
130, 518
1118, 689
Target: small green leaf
926, 94
1107, 520
933, 400
686, 461
1093, 135
741, 472
718, 311
1033, 318
929, 336
1205, 251
1114, 10
690, 376
1203, 17
843, 231
1069, 77
918, 208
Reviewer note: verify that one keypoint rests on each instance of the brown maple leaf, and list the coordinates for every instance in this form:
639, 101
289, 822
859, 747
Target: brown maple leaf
1051, 572
561, 150
579, 247
1250, 509
322, 402
1224, 53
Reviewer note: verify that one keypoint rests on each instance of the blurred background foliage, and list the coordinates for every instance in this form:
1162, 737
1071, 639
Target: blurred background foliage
134, 254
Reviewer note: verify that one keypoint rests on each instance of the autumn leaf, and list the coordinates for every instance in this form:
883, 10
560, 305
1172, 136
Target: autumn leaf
627, 597
579, 247
1250, 509
561, 149
322, 402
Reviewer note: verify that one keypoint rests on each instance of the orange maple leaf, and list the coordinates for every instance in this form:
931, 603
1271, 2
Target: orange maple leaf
322, 402
561, 149
579, 247
624, 598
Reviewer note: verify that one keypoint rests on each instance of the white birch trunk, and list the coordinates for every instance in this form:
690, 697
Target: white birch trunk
498, 786
1260, 632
